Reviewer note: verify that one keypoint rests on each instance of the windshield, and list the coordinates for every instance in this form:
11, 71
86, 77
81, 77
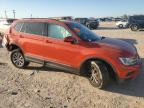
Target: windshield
84, 33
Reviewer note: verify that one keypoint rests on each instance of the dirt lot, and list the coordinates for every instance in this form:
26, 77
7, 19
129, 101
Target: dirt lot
37, 87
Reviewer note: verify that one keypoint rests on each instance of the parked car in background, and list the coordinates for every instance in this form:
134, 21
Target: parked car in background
5, 24
117, 19
122, 24
91, 24
67, 18
73, 47
81, 20
136, 22
101, 19
105, 19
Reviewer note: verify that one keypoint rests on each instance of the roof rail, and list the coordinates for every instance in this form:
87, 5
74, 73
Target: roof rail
42, 18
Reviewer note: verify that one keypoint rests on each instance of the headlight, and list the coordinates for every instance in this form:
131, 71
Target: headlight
129, 61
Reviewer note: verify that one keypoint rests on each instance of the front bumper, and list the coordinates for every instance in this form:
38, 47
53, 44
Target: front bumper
129, 72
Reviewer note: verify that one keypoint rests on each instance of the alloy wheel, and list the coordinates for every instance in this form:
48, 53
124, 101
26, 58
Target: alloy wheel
18, 59
95, 76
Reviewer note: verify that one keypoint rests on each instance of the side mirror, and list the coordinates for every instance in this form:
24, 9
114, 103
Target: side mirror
70, 39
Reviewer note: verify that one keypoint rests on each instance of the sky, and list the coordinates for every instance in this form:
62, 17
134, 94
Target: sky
75, 8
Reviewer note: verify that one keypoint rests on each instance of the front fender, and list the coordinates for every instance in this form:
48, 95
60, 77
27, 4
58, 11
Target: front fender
108, 61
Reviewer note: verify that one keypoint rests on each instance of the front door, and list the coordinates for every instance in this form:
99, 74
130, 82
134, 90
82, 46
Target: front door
58, 51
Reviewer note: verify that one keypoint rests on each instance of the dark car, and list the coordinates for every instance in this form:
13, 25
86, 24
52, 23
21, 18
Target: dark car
136, 22
91, 24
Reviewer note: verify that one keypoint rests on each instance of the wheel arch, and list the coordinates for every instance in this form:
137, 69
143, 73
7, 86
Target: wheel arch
112, 71
13, 46
133, 24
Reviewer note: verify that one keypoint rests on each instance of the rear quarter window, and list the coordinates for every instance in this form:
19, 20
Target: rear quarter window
18, 26
36, 28
138, 17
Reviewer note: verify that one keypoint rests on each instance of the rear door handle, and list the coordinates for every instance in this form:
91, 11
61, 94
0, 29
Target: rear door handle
47, 41
21, 36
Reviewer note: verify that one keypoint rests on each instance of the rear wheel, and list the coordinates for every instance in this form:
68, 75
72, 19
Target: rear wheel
18, 60
98, 74
134, 27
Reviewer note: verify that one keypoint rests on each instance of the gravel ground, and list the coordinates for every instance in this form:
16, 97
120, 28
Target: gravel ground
38, 87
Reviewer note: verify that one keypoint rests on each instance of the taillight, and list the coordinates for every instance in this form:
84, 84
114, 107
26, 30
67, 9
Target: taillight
8, 31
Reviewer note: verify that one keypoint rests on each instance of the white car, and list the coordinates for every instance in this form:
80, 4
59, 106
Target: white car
5, 24
122, 24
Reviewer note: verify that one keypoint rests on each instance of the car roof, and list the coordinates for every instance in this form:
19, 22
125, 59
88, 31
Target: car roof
41, 20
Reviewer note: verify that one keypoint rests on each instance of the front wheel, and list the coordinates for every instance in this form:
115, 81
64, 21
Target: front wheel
18, 60
121, 26
98, 74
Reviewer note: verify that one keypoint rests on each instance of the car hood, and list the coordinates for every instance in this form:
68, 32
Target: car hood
119, 46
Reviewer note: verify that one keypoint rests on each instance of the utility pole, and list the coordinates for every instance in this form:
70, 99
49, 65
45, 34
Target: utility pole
14, 13
5, 14
31, 16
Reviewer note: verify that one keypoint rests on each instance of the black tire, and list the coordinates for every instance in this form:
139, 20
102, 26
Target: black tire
134, 27
88, 26
96, 27
17, 59
98, 74
120, 26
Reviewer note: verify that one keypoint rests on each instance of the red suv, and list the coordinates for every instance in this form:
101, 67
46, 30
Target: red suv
73, 47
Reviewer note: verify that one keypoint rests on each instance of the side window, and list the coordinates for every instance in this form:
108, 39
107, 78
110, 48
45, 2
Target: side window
18, 26
23, 29
57, 31
141, 18
138, 17
134, 18
33, 28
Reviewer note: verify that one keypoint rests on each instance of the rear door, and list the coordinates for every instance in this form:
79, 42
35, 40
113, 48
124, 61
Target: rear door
31, 39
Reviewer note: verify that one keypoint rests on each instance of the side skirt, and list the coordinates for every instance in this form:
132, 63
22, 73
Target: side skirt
62, 67
54, 65
35, 60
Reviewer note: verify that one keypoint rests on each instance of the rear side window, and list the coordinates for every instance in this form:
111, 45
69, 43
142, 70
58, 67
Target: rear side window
138, 17
57, 31
18, 26
36, 28
141, 18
